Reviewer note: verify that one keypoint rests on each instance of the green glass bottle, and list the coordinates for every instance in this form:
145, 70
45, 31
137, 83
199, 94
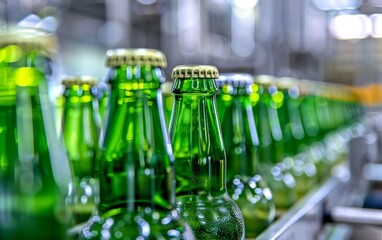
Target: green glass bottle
200, 158
339, 99
328, 119
301, 167
265, 109
308, 108
271, 151
290, 116
135, 170
34, 170
245, 183
322, 109
313, 134
80, 127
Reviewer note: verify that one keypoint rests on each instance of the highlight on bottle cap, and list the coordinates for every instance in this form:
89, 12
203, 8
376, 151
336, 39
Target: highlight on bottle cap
30, 38
235, 79
285, 82
195, 71
135, 56
78, 80
264, 80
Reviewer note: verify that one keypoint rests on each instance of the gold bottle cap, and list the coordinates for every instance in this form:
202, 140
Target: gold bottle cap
30, 38
285, 82
304, 85
235, 79
195, 71
265, 80
78, 80
135, 56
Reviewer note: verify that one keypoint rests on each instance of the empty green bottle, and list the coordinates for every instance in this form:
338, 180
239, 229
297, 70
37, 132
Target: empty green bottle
264, 100
245, 183
80, 128
135, 170
200, 159
34, 169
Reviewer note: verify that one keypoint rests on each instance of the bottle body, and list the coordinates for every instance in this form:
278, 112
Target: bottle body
202, 199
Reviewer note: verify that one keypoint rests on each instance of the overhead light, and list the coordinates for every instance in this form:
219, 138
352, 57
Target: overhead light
347, 27
376, 19
328, 5
146, 2
245, 4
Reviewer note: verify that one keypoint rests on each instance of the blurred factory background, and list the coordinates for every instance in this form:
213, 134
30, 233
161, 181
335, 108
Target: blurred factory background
336, 41
325, 40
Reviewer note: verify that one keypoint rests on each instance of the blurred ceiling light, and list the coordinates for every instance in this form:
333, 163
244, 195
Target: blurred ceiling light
347, 27
337, 4
110, 33
48, 24
146, 2
189, 26
245, 4
243, 31
376, 19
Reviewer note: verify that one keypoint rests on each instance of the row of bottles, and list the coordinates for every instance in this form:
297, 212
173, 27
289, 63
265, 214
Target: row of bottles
214, 157
302, 129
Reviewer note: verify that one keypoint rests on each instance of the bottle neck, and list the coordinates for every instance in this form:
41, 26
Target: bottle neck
136, 163
196, 137
79, 95
137, 77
